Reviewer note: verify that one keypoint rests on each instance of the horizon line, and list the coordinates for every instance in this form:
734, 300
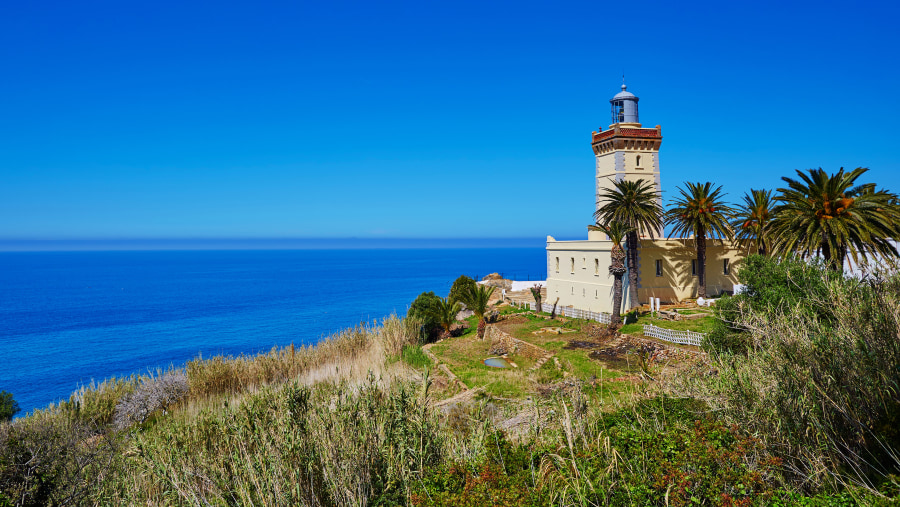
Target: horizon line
225, 243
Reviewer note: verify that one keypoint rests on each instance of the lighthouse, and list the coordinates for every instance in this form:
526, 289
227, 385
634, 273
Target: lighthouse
626, 150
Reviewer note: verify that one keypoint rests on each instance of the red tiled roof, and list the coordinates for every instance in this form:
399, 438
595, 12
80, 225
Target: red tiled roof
606, 134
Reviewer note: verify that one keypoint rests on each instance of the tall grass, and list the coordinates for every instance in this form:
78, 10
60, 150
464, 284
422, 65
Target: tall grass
823, 386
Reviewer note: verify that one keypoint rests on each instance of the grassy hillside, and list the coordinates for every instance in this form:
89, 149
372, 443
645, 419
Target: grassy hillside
795, 403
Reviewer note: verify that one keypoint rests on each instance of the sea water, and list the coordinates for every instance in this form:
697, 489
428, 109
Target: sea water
67, 318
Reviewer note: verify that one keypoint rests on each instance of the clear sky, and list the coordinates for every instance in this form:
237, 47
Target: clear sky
124, 120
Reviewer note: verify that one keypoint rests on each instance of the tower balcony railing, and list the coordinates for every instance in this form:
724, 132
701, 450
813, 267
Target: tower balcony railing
654, 133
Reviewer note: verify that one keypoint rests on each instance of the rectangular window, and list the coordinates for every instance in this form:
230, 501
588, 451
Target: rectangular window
573, 264
597, 267
557, 264
725, 266
693, 267
596, 294
583, 263
658, 267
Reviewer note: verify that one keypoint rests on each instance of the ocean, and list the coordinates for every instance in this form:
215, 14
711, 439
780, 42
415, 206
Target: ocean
67, 318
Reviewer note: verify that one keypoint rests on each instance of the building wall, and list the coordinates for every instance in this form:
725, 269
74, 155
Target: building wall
677, 282
587, 285
622, 165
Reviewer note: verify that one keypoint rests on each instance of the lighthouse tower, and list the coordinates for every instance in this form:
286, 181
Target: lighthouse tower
626, 151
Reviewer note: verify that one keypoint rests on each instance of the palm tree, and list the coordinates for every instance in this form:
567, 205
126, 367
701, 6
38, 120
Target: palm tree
445, 311
827, 215
477, 300
616, 232
634, 204
753, 220
701, 212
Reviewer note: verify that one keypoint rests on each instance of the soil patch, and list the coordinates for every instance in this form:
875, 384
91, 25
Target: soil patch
582, 345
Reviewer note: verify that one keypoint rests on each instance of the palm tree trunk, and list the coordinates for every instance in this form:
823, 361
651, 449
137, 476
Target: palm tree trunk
632, 244
701, 265
832, 260
616, 318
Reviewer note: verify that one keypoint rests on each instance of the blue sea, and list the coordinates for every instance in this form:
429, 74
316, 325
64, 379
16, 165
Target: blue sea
69, 317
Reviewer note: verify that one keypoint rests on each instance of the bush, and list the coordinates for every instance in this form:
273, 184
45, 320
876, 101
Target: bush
152, 395
822, 378
460, 289
774, 286
8, 406
47, 459
425, 310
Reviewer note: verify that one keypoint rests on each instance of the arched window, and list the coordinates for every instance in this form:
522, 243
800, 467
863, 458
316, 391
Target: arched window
638, 164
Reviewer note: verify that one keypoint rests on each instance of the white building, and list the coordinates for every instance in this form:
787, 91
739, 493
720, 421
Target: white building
578, 271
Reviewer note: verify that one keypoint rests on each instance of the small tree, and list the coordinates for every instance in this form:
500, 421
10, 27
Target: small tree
8, 406
446, 314
536, 293
617, 231
424, 308
460, 288
477, 301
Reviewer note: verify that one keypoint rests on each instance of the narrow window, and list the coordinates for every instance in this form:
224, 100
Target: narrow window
595, 294
573, 264
583, 263
597, 267
658, 267
557, 264
573, 291
582, 292
638, 164
693, 267
725, 266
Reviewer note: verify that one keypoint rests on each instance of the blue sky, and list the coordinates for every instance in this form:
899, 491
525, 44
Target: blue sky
193, 120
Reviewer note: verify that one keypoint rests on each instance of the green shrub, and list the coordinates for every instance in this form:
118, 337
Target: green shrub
775, 287
8, 406
822, 381
460, 288
425, 310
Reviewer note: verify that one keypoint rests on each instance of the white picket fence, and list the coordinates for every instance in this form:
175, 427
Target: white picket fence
574, 313
671, 335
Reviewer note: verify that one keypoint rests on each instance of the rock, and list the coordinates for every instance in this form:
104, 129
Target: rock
492, 276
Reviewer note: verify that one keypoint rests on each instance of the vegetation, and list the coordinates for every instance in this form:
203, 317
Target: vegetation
477, 300
634, 204
616, 232
806, 413
8, 406
425, 308
446, 311
827, 215
536, 294
752, 221
701, 212
460, 288
819, 375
